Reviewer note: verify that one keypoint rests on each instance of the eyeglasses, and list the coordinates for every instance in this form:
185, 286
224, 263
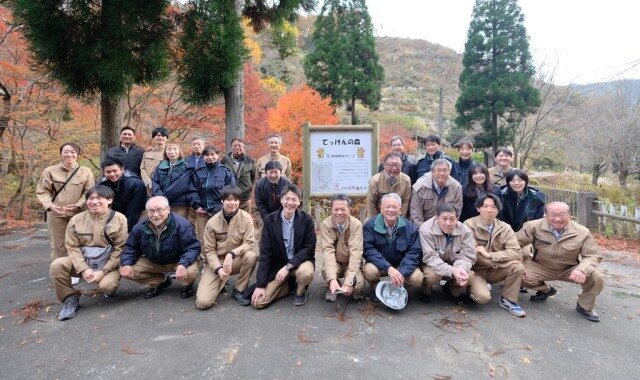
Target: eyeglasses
393, 164
554, 215
157, 211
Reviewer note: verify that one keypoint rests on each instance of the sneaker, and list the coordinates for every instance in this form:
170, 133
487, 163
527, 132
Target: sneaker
237, 295
330, 297
225, 288
155, 291
300, 300
69, 308
110, 295
524, 290
590, 315
186, 292
75, 280
373, 297
513, 307
358, 296
541, 296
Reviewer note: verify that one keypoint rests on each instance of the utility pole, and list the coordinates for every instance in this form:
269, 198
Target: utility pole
440, 119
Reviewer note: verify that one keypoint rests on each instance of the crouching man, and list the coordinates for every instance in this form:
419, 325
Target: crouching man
341, 244
449, 252
165, 242
227, 242
98, 233
391, 247
287, 253
499, 256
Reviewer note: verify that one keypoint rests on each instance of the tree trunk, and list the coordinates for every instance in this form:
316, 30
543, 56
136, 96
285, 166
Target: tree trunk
622, 177
234, 111
6, 109
353, 110
494, 131
595, 174
111, 118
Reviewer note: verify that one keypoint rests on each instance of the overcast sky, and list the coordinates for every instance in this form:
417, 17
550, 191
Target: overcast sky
590, 41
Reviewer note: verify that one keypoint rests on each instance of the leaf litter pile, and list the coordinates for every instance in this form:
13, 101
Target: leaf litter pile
31, 310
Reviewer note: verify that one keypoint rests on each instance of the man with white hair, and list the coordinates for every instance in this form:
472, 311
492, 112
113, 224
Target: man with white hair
433, 189
165, 242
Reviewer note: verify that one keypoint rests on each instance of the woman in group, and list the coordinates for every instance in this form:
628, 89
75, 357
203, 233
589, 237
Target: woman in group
172, 179
153, 156
61, 191
209, 181
521, 202
477, 184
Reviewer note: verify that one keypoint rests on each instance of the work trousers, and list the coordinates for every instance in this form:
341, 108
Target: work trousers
61, 271
211, 284
276, 289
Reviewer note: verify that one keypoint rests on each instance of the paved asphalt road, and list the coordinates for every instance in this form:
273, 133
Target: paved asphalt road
167, 337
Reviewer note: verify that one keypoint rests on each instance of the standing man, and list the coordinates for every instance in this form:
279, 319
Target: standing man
391, 180
130, 192
227, 250
391, 247
127, 152
498, 173
163, 243
499, 256
564, 251
153, 156
433, 145
341, 245
269, 188
287, 253
449, 252
433, 189
243, 168
195, 159
274, 141
408, 167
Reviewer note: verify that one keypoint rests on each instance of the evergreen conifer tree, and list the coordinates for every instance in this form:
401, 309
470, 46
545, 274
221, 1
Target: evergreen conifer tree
496, 81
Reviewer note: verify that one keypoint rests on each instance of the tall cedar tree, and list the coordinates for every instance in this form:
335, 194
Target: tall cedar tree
100, 48
495, 84
214, 51
344, 64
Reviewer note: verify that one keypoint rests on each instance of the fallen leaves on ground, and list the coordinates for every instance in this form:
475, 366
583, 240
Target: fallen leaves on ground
130, 350
31, 310
615, 243
460, 322
231, 355
369, 312
526, 360
303, 338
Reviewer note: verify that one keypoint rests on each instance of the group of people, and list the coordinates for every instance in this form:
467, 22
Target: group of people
158, 215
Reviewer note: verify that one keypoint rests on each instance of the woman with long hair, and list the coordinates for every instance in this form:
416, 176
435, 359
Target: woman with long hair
172, 179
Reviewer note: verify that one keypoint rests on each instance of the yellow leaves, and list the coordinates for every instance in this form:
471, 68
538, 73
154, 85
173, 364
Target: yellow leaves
250, 41
273, 85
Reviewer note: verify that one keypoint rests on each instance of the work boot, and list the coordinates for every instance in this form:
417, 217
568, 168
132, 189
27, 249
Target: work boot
155, 291
541, 297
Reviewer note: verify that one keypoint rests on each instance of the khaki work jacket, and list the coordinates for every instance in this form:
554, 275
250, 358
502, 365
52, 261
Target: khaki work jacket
52, 180
221, 237
443, 257
150, 161
379, 186
424, 198
340, 250
284, 161
501, 243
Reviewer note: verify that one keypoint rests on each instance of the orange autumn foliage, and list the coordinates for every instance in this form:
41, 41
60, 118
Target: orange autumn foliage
300, 105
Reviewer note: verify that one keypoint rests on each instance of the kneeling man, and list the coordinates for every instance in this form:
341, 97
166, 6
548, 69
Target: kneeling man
165, 242
449, 252
562, 250
391, 247
95, 229
341, 244
499, 256
287, 253
227, 243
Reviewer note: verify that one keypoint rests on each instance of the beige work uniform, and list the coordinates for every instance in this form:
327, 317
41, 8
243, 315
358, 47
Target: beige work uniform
219, 239
342, 253
439, 258
424, 199
379, 185
555, 258
87, 230
52, 179
276, 289
283, 160
505, 263
498, 176
150, 161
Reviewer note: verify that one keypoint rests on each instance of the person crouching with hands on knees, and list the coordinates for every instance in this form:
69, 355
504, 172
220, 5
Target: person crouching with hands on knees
287, 253
562, 250
100, 229
227, 243
165, 242
449, 252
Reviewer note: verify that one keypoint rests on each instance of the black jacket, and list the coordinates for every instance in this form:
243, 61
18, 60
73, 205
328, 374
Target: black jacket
424, 164
462, 170
273, 255
131, 159
267, 195
469, 204
130, 197
208, 181
516, 212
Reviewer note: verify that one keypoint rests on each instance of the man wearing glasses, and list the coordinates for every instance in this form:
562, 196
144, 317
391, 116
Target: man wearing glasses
565, 251
391, 180
164, 243
433, 189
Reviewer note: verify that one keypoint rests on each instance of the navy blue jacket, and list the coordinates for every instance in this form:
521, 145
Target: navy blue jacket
208, 181
177, 243
130, 197
131, 159
401, 251
515, 212
424, 164
408, 168
174, 183
273, 255
462, 170
267, 195
195, 163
